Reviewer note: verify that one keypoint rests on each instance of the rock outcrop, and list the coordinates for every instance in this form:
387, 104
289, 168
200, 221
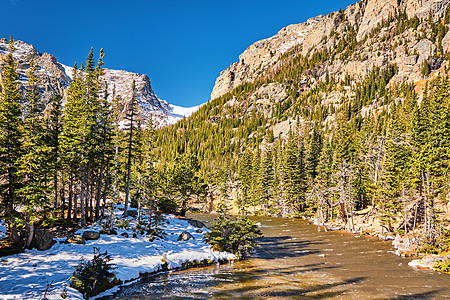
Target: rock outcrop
266, 56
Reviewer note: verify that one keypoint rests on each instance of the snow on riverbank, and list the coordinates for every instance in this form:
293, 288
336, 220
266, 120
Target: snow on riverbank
26, 275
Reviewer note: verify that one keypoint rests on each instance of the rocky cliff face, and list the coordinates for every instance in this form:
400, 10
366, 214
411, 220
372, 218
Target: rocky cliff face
407, 50
55, 78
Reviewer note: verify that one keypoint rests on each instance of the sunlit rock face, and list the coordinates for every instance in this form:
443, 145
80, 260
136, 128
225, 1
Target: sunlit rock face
265, 57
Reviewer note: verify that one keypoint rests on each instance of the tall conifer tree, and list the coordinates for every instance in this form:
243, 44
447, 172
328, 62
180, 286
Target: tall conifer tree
11, 127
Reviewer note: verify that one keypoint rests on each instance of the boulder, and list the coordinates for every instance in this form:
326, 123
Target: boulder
125, 235
185, 236
409, 60
196, 223
75, 239
42, 240
199, 231
91, 235
132, 213
425, 48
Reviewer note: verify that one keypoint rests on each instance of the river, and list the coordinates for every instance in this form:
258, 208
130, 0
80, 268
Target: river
296, 260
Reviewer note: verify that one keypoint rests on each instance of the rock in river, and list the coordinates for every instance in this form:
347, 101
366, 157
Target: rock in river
196, 223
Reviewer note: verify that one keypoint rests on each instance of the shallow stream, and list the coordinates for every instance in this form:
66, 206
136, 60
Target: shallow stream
296, 260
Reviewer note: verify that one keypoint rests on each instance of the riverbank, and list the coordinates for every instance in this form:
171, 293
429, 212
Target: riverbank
367, 222
35, 274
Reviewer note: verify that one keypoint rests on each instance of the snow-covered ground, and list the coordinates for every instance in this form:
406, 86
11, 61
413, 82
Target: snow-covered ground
27, 275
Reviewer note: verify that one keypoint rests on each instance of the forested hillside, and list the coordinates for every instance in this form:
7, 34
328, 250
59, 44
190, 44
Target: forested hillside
325, 132
346, 112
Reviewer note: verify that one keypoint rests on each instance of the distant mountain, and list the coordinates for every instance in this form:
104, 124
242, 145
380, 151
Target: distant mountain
55, 78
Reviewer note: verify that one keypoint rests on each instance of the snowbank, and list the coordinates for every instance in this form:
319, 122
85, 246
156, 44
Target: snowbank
27, 275
427, 262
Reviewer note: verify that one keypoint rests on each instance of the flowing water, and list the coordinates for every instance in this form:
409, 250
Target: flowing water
296, 260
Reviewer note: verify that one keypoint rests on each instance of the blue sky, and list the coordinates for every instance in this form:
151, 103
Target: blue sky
182, 45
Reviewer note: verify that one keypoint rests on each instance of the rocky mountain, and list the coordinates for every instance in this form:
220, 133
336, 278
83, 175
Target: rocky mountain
362, 23
55, 78
334, 80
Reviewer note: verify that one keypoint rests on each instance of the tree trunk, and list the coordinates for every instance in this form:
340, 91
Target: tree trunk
69, 209
75, 208
99, 190
139, 212
88, 197
30, 234
63, 200
82, 196
105, 191
130, 144
116, 164
55, 187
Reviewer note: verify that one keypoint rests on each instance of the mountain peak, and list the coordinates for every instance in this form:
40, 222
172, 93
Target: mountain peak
56, 77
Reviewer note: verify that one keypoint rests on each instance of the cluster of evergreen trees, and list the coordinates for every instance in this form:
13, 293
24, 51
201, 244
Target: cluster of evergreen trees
381, 146
61, 163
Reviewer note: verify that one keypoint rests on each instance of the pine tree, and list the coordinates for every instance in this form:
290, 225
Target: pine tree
33, 165
186, 180
11, 127
440, 133
131, 118
421, 134
313, 154
265, 179
54, 130
148, 172
72, 140
394, 165
425, 70
294, 174
115, 114
255, 183
244, 175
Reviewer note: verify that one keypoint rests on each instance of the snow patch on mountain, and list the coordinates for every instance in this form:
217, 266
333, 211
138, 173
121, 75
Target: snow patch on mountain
183, 111
68, 70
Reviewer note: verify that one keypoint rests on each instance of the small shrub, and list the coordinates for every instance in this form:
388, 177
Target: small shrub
95, 276
164, 264
153, 227
442, 266
123, 224
154, 233
235, 236
195, 263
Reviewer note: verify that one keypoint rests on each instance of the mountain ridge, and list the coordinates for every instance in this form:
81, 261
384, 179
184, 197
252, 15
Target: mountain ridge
55, 78
315, 34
